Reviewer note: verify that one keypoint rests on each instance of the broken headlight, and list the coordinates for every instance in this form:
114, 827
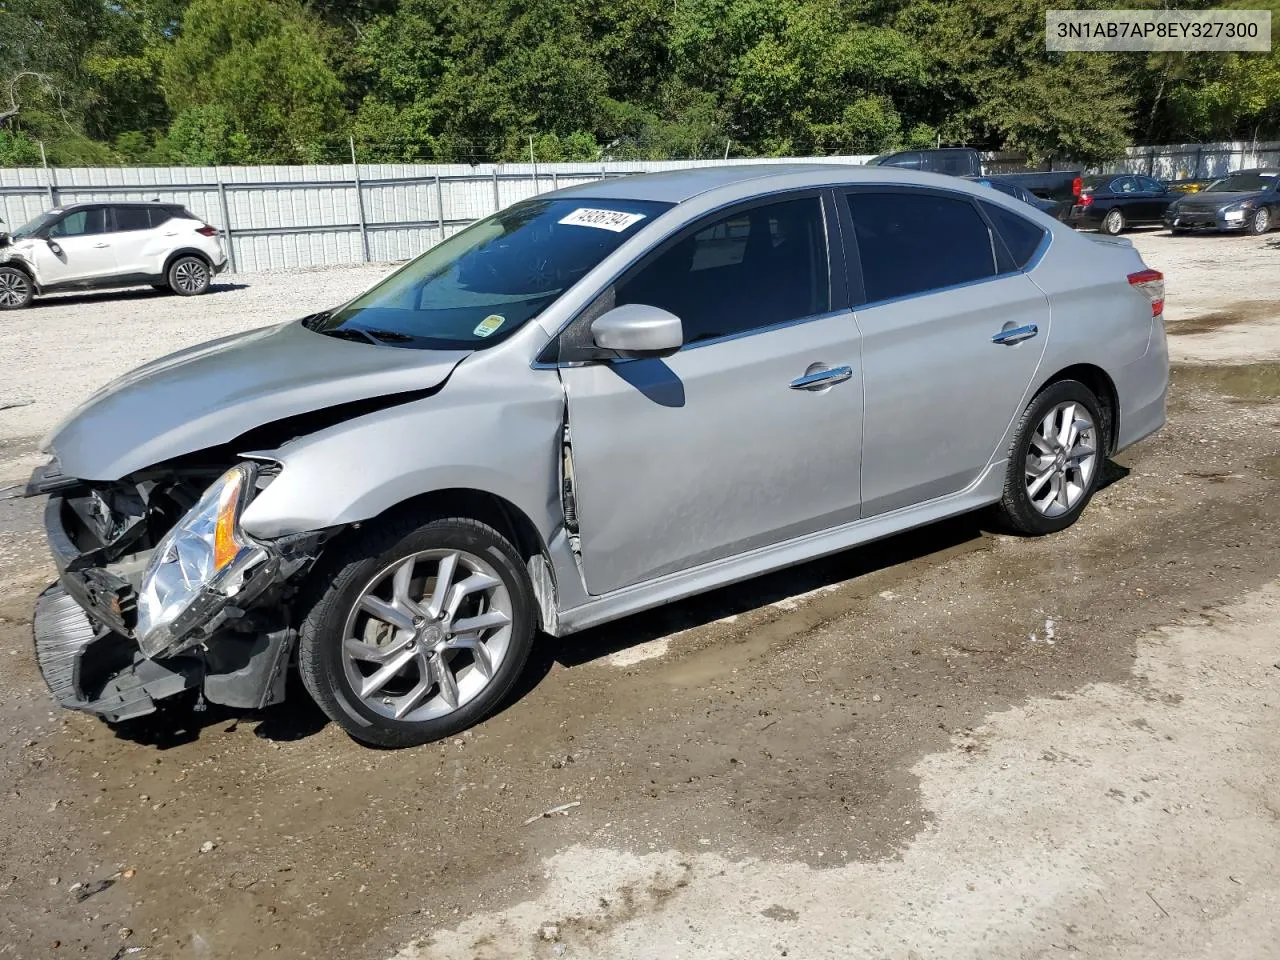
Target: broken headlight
201, 563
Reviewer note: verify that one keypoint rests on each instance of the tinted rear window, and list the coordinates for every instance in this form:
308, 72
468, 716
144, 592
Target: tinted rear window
915, 242
1021, 237
132, 218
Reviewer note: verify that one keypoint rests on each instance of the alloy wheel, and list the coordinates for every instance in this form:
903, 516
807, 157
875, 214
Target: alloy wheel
1114, 222
191, 276
427, 635
1261, 220
15, 288
1061, 459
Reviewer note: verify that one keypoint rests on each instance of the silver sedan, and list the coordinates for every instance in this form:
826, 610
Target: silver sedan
591, 403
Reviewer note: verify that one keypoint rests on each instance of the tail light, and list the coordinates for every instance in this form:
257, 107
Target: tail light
1150, 282
1076, 186
1086, 199
207, 231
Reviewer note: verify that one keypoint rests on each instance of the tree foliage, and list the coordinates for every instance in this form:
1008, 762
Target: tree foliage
250, 81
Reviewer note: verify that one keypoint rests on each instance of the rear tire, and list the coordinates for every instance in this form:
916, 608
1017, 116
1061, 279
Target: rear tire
1055, 460
387, 658
16, 289
189, 276
1113, 223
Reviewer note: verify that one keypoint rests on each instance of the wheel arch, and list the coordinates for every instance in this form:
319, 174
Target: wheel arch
21, 265
499, 513
1103, 387
183, 252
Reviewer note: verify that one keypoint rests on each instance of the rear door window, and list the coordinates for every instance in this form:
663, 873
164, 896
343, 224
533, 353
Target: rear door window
912, 242
132, 218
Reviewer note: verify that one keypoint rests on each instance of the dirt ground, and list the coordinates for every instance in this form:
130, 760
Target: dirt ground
950, 744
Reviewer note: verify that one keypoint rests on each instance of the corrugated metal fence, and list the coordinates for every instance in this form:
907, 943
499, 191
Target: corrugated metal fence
1197, 161
278, 217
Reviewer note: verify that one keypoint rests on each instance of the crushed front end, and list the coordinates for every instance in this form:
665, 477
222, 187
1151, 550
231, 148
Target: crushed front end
159, 591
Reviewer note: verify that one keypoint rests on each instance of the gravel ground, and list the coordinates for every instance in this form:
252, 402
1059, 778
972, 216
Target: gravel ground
949, 744
64, 347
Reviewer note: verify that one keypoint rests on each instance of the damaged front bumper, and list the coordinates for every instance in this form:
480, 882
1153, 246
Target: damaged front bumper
84, 626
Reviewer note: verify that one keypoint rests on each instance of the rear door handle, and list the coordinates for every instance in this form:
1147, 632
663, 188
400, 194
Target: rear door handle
99, 246
821, 379
1016, 334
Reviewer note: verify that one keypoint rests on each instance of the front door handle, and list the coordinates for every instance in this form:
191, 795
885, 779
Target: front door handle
821, 379
99, 246
1016, 334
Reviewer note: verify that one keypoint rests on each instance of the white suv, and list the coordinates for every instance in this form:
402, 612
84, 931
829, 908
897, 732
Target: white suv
96, 245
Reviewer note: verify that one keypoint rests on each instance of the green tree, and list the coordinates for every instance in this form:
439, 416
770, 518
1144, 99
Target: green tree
257, 72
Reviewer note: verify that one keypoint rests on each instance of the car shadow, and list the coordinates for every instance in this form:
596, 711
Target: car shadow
140, 293
181, 720
596, 643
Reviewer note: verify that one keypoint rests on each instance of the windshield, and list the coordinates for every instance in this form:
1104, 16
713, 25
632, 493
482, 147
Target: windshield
483, 284
1244, 182
31, 227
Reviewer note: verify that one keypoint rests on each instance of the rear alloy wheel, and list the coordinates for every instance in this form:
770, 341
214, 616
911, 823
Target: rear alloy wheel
1113, 222
1055, 460
1260, 222
189, 276
420, 632
16, 289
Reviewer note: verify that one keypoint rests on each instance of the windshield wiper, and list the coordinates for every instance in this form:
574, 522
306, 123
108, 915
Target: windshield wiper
350, 333
388, 336
374, 336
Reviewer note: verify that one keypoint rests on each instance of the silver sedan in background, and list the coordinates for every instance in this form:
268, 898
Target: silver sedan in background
593, 402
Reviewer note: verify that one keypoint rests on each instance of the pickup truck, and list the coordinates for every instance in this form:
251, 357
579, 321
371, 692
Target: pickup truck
1059, 185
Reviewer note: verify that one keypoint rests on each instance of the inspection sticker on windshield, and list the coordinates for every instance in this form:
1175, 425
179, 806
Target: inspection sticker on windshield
615, 220
488, 325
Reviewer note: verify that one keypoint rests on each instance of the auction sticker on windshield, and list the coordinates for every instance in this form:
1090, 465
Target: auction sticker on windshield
488, 325
615, 220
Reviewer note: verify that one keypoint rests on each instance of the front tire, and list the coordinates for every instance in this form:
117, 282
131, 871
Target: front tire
1260, 222
189, 276
416, 631
16, 289
1055, 460
1113, 223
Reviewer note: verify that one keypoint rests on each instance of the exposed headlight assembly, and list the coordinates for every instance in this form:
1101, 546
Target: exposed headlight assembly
202, 564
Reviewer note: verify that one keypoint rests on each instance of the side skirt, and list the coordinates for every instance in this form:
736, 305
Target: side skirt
113, 282
986, 490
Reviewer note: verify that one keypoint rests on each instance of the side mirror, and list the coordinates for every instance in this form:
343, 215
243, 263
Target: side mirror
53, 245
638, 330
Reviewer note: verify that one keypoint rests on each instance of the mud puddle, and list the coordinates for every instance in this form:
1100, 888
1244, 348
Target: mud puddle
1243, 311
1250, 382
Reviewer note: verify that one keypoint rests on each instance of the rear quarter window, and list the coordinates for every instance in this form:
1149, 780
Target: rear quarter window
1020, 236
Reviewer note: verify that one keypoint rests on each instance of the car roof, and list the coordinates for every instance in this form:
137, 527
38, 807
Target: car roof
86, 204
749, 180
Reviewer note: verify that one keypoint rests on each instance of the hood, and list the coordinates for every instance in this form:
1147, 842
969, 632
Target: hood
211, 394
1215, 201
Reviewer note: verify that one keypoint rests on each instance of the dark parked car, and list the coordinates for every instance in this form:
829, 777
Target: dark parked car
1057, 209
1062, 185
1114, 201
1246, 200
